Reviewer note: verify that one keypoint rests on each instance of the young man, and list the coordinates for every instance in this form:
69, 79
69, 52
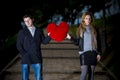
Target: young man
28, 44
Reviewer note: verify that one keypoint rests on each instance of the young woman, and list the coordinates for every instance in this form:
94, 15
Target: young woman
89, 46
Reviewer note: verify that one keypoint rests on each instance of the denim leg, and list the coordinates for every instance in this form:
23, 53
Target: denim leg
37, 71
25, 71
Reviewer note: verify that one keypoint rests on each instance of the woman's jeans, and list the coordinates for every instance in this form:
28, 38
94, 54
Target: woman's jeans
37, 68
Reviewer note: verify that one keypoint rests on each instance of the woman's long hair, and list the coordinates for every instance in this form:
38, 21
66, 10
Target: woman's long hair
81, 29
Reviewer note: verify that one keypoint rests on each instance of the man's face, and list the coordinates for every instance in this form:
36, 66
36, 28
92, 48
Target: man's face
28, 21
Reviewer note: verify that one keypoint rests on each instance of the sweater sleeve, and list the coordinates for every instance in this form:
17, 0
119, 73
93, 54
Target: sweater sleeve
19, 43
99, 50
45, 39
75, 41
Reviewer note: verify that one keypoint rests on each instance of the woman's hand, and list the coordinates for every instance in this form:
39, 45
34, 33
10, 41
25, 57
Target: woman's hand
98, 57
68, 36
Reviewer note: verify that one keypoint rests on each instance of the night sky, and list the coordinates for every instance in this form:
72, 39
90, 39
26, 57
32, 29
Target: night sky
12, 12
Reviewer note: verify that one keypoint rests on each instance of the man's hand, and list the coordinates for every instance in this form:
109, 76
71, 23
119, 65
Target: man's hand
49, 34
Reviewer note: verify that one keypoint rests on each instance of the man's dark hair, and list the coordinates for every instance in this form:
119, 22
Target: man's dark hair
28, 15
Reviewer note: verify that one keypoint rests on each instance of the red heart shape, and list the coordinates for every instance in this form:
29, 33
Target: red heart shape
58, 32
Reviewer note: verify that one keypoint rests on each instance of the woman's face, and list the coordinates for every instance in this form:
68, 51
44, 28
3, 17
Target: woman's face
87, 20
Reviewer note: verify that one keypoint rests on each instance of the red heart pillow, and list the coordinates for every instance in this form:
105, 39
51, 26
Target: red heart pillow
58, 32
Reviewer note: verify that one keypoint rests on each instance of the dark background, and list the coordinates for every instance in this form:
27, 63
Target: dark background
11, 13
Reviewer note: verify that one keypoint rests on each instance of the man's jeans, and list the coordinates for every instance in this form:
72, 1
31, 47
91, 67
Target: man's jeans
37, 68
